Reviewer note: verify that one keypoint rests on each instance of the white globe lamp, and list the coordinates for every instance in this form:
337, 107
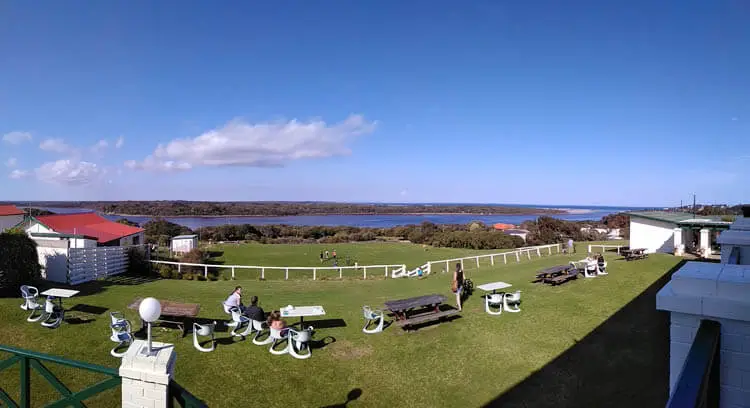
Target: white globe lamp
150, 310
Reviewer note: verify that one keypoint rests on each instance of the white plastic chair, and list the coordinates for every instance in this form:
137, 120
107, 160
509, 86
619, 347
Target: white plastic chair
205, 330
258, 326
53, 314
238, 320
30, 296
299, 343
278, 337
121, 334
373, 316
496, 300
511, 302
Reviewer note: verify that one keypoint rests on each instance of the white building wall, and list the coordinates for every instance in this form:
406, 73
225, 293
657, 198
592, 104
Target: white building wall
9, 221
184, 245
38, 228
655, 236
54, 261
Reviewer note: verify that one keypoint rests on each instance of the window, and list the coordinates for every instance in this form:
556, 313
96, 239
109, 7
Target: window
137, 240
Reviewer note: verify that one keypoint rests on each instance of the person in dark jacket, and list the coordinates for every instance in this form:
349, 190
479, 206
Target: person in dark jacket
255, 312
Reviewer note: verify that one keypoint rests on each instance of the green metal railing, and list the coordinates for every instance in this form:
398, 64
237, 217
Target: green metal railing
183, 397
29, 360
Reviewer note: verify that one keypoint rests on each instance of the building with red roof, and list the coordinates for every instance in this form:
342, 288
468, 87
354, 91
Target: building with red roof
10, 216
87, 227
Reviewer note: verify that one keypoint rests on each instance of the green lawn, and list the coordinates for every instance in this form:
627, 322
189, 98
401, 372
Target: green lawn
590, 342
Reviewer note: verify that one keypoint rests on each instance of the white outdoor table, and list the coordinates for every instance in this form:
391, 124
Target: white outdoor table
60, 294
302, 312
492, 287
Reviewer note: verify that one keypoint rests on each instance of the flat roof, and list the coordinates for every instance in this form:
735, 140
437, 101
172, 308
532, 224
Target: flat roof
681, 219
185, 236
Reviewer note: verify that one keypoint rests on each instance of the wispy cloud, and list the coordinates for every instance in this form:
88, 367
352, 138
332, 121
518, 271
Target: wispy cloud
120, 142
239, 143
11, 162
734, 119
18, 174
69, 172
100, 146
56, 146
16, 137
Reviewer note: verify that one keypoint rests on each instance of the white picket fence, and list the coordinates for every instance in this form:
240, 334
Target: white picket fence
87, 264
385, 270
604, 247
516, 254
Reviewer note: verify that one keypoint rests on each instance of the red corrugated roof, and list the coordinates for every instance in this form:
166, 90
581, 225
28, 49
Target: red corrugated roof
10, 210
90, 224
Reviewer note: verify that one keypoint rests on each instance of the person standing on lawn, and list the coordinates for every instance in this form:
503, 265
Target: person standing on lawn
458, 283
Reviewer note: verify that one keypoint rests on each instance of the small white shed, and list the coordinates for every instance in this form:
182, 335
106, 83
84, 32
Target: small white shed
184, 243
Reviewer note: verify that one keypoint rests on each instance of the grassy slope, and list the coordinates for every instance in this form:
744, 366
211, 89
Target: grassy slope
466, 362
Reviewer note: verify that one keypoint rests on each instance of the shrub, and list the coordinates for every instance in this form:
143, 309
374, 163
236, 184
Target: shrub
200, 277
166, 271
19, 262
187, 276
137, 262
213, 277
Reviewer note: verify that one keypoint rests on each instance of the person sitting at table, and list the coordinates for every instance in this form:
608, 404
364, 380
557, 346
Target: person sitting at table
234, 300
255, 312
600, 262
276, 322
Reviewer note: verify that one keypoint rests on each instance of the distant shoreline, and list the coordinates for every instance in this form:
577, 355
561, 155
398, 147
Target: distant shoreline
550, 211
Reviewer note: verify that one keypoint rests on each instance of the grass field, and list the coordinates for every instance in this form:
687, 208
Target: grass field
591, 342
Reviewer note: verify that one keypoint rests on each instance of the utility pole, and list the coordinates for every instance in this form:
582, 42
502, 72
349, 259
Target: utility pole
693, 205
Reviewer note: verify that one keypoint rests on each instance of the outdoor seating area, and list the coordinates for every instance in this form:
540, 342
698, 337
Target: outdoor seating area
346, 325
51, 312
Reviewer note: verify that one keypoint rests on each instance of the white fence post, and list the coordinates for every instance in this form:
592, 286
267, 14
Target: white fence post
179, 268
539, 254
447, 268
528, 253
341, 273
477, 262
505, 259
263, 273
462, 264
589, 248
315, 272
518, 257
550, 250
386, 271
492, 260
286, 274
365, 275
205, 271
233, 273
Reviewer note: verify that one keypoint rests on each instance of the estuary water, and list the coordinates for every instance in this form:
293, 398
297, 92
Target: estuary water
578, 213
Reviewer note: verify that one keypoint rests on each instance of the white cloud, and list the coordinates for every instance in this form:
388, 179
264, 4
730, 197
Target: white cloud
120, 142
11, 162
69, 172
239, 143
99, 146
734, 119
404, 193
56, 145
18, 174
16, 137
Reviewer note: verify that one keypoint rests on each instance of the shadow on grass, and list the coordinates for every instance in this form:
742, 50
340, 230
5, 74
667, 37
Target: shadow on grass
351, 396
624, 362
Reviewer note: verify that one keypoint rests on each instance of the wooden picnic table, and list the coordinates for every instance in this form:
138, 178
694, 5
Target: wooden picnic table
636, 253
552, 271
428, 307
185, 312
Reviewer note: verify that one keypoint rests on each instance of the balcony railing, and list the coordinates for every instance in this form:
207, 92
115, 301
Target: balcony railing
698, 383
183, 397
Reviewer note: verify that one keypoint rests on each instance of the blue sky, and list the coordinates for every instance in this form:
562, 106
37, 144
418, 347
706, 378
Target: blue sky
547, 102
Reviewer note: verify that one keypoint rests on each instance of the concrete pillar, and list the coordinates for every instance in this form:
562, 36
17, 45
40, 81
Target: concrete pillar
679, 246
705, 244
145, 379
719, 292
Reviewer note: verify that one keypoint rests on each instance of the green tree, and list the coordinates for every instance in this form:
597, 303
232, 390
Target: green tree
19, 262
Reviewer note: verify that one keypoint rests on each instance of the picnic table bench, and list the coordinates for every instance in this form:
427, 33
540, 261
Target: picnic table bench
551, 272
179, 314
633, 254
427, 309
557, 275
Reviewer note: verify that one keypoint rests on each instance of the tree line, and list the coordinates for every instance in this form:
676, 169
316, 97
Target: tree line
281, 209
474, 235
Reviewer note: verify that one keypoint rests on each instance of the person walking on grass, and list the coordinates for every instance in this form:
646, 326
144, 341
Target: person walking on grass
321, 256
571, 247
458, 284
333, 254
